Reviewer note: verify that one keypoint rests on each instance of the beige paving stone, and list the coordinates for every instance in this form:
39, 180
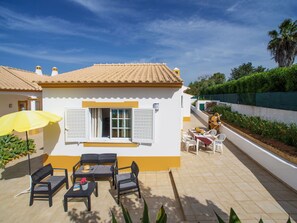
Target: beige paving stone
269, 207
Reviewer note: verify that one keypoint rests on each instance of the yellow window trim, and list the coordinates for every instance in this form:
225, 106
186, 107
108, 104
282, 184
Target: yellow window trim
109, 144
125, 104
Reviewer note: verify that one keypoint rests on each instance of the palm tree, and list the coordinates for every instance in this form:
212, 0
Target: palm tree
283, 44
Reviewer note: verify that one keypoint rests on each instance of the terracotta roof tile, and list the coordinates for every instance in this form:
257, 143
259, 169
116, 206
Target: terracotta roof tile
19, 80
118, 74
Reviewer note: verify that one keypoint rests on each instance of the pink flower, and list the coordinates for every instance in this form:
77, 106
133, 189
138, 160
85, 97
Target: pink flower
83, 181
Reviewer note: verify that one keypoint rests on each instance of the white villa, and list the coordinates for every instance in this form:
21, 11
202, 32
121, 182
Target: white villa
133, 110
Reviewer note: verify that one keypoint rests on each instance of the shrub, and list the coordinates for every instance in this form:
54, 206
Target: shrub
269, 129
12, 147
283, 79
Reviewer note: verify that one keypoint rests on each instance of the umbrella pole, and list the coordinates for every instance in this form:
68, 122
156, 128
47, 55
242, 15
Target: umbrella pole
28, 153
29, 189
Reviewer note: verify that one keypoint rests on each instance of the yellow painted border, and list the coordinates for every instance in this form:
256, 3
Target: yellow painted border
109, 144
125, 104
148, 163
186, 118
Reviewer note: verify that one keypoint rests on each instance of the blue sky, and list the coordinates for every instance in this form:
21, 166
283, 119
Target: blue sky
198, 36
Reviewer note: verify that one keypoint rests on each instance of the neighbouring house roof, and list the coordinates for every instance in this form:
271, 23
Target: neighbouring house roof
117, 75
12, 79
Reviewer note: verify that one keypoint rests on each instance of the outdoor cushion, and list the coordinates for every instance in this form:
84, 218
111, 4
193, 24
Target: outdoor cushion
42, 173
107, 158
55, 181
127, 185
89, 158
103, 170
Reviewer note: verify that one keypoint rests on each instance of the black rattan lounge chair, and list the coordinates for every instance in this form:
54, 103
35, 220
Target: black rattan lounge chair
127, 182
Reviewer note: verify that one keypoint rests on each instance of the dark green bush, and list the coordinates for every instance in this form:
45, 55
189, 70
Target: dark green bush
12, 147
283, 79
269, 129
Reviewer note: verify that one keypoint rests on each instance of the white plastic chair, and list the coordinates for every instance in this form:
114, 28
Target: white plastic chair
211, 132
218, 142
188, 141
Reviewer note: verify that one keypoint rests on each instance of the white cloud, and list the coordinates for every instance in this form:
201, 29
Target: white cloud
199, 46
105, 8
68, 56
17, 21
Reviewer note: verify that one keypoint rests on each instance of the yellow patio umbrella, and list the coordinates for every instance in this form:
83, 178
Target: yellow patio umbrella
24, 121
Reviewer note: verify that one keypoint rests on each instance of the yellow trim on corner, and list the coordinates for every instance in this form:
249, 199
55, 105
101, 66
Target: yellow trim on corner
147, 163
109, 144
125, 104
186, 118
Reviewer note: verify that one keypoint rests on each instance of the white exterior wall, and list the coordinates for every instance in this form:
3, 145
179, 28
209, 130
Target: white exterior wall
7, 98
186, 109
279, 115
279, 167
167, 119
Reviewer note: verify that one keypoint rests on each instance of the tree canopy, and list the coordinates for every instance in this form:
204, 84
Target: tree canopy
204, 82
245, 69
283, 44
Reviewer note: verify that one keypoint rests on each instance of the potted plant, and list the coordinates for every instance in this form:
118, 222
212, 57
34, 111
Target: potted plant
84, 183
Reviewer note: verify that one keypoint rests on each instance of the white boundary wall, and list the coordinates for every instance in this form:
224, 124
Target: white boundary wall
279, 115
280, 168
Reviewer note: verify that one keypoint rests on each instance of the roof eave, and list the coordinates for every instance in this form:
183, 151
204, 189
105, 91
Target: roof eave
110, 85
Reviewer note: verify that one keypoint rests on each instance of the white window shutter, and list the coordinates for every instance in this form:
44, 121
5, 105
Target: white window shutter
76, 125
143, 125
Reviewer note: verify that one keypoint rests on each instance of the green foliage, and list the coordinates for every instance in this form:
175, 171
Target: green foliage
245, 69
283, 44
269, 129
235, 219
204, 82
161, 216
145, 215
12, 147
282, 79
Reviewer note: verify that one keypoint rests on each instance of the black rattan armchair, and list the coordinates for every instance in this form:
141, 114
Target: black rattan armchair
127, 182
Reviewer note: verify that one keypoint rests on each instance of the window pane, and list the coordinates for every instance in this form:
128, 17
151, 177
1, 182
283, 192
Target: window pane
128, 133
127, 113
128, 123
121, 133
121, 122
121, 113
114, 123
114, 133
114, 113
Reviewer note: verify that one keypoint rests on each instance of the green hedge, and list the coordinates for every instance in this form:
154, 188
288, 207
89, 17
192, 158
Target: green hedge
269, 129
281, 79
12, 147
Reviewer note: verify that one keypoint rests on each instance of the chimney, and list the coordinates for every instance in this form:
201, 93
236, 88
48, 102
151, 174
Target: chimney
38, 70
54, 71
176, 71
